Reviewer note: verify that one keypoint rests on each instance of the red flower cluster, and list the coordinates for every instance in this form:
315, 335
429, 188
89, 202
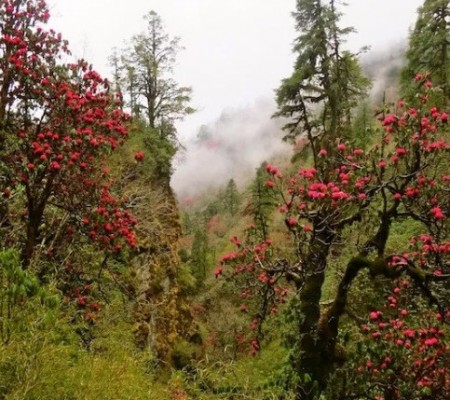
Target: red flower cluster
139, 156
109, 224
405, 357
248, 263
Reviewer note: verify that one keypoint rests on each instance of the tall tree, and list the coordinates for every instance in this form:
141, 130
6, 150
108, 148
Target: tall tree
146, 76
363, 128
327, 81
429, 48
318, 99
231, 198
58, 122
369, 194
200, 262
260, 204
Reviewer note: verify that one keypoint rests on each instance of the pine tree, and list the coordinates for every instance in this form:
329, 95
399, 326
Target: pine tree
362, 127
327, 81
260, 205
429, 49
146, 69
231, 198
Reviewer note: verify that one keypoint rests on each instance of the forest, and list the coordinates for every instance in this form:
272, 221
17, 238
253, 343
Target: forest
323, 275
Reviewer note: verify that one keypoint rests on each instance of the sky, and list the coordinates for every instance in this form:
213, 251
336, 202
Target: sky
236, 51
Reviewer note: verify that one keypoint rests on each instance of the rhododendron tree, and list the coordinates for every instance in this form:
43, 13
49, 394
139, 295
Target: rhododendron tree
405, 351
402, 176
58, 122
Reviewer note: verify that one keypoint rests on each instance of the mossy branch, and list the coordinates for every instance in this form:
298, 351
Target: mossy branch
380, 266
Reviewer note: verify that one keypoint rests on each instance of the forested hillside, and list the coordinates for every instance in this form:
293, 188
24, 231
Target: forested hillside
321, 274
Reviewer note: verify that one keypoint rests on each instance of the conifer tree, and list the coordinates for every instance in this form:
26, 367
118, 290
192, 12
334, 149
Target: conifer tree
326, 82
199, 256
143, 72
261, 204
319, 97
362, 126
429, 50
231, 197
146, 69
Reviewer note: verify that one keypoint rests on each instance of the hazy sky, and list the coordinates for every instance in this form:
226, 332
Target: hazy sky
235, 50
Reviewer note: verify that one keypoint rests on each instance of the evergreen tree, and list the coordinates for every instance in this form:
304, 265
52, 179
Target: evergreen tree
187, 223
362, 127
319, 97
211, 210
261, 204
231, 198
143, 73
326, 82
199, 256
145, 70
429, 49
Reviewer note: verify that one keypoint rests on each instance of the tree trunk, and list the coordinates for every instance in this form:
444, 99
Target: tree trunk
314, 362
32, 233
36, 206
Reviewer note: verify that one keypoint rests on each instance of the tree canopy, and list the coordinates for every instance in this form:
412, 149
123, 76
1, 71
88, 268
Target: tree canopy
327, 81
428, 50
144, 73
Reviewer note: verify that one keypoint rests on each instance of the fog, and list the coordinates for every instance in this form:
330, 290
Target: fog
231, 147
383, 68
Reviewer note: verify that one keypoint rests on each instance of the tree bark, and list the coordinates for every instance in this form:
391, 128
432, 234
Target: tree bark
32, 233
314, 362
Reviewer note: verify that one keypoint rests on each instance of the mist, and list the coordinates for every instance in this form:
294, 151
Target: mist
230, 147
383, 68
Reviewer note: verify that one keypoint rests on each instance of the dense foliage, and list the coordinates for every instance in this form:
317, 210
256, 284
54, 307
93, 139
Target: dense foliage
429, 48
57, 123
